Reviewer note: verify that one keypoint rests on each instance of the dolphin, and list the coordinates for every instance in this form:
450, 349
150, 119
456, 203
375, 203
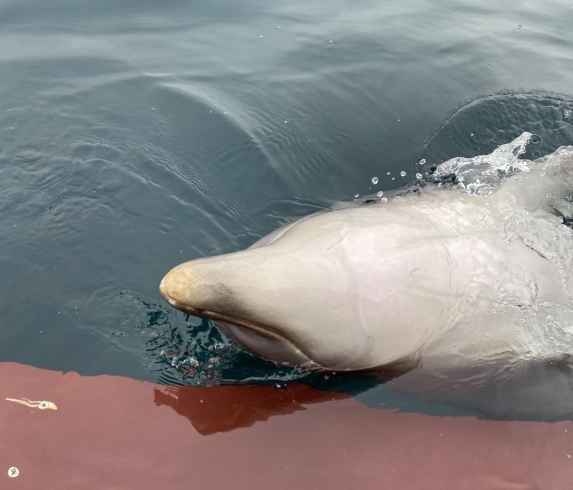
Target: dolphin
467, 278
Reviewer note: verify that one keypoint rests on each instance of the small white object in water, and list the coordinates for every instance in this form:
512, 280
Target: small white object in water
357, 195
388, 173
384, 199
13, 472
418, 176
402, 173
374, 180
422, 161
380, 194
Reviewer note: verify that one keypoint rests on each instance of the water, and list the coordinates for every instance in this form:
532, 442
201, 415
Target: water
138, 135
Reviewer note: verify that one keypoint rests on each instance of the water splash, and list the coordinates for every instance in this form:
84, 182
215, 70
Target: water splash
482, 174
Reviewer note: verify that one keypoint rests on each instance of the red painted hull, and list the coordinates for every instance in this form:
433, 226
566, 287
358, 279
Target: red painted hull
116, 433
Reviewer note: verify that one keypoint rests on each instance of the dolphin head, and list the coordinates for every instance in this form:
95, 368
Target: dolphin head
350, 289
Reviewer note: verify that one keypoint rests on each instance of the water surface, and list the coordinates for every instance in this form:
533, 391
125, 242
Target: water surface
138, 135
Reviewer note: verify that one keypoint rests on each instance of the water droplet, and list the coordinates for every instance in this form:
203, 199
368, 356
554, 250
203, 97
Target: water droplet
393, 178
374, 180
357, 195
402, 173
384, 199
487, 334
330, 40
380, 194
422, 161
419, 176
153, 108
13, 472
388, 173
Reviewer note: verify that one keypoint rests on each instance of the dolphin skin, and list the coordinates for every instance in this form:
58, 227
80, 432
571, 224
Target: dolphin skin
438, 278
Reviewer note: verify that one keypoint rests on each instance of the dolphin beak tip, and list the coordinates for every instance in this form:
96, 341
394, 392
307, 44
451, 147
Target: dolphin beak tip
176, 287
165, 290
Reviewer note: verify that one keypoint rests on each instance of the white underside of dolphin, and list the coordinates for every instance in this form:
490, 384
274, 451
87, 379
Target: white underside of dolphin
474, 278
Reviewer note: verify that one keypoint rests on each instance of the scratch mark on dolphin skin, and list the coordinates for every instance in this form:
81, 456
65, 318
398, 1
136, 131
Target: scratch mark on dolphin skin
337, 242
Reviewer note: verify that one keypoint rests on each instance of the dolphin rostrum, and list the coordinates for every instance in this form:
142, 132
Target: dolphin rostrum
450, 277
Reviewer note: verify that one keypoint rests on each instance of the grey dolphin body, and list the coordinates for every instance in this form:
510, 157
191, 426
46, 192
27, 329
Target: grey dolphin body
436, 278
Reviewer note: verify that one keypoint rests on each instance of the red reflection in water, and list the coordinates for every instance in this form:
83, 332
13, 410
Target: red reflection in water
224, 408
116, 433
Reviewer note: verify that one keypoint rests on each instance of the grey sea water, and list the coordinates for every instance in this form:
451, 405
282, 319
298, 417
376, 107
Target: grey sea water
138, 135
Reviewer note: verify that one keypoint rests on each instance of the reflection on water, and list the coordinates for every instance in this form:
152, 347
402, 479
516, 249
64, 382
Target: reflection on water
233, 407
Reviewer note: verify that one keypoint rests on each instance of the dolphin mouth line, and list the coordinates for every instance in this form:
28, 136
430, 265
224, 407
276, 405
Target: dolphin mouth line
309, 365
256, 327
